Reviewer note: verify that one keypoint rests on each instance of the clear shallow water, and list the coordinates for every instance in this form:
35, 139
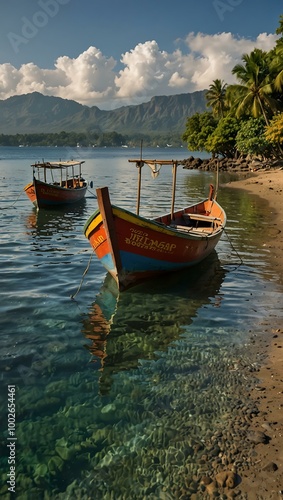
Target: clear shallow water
112, 394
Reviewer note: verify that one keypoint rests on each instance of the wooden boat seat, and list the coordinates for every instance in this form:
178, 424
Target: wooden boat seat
182, 228
191, 229
203, 230
200, 217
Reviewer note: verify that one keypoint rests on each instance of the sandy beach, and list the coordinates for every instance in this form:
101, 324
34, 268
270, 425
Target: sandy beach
264, 478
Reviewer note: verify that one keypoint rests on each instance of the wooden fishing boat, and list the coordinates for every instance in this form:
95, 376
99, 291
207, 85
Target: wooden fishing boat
134, 248
56, 184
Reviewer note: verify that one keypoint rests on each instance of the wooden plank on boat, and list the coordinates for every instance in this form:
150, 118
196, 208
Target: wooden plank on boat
201, 217
203, 230
181, 228
190, 229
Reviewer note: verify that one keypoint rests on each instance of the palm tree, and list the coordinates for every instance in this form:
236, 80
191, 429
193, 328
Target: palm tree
215, 97
276, 67
279, 31
254, 93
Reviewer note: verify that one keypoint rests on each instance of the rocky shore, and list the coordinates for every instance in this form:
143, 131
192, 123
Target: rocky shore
238, 165
262, 479
249, 464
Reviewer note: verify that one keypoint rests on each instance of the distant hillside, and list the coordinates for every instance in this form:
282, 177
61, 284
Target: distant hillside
36, 113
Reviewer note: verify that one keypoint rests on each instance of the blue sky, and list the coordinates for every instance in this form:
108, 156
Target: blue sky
111, 53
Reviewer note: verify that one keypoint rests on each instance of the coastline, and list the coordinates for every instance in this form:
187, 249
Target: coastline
263, 480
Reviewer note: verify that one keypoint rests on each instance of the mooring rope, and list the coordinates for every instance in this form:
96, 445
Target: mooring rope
92, 193
233, 248
10, 206
82, 279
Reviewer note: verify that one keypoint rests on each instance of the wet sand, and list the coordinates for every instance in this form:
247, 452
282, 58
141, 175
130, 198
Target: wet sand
263, 480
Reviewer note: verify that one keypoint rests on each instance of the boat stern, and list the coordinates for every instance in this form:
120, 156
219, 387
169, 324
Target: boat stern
30, 192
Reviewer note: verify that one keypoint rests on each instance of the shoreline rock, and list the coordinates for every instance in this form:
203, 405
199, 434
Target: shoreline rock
236, 165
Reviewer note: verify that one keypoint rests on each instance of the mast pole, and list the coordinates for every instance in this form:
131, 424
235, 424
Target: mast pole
217, 180
139, 165
174, 174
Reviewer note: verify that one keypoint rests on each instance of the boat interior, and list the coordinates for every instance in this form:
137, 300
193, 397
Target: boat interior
200, 222
72, 183
197, 223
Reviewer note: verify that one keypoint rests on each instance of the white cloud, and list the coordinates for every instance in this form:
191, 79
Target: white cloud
216, 55
93, 79
87, 78
149, 72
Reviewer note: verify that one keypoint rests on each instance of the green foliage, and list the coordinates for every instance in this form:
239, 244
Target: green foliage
254, 102
215, 97
251, 139
62, 139
198, 128
279, 30
90, 139
254, 93
223, 140
111, 139
274, 131
276, 70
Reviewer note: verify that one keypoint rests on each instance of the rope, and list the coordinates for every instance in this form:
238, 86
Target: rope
6, 208
82, 279
92, 194
233, 248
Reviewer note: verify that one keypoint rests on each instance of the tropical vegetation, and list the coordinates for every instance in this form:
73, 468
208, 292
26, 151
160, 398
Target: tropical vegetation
90, 139
245, 118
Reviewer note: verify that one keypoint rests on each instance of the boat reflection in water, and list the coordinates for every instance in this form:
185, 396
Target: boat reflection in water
125, 328
52, 222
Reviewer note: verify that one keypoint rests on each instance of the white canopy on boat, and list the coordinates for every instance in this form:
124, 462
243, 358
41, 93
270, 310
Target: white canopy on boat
60, 164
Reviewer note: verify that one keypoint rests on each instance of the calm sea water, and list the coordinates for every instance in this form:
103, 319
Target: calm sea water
108, 389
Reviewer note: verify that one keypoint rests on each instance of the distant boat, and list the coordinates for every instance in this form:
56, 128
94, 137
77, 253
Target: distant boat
125, 146
46, 192
134, 248
169, 145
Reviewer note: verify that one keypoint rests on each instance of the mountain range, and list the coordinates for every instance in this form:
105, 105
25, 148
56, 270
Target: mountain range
36, 113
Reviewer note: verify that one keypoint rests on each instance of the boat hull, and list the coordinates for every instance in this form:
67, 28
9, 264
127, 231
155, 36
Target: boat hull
143, 248
44, 195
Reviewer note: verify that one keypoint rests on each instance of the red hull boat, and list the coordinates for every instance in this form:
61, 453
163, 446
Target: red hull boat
134, 248
69, 186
